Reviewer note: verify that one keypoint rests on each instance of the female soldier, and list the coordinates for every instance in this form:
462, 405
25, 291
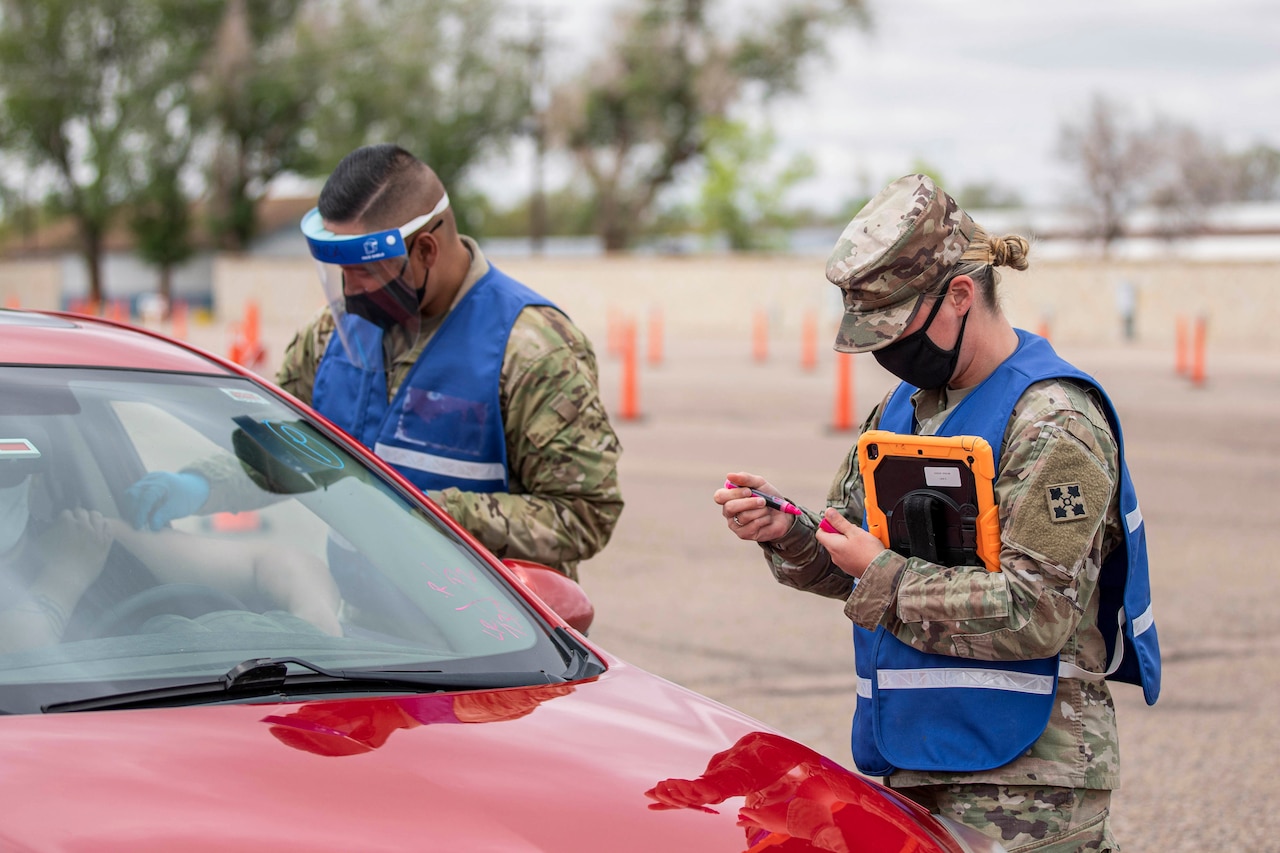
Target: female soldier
980, 694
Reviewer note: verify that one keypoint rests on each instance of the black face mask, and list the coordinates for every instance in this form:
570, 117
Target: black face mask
393, 304
918, 361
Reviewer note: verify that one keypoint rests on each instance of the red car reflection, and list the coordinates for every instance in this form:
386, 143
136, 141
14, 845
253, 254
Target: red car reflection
336, 728
795, 799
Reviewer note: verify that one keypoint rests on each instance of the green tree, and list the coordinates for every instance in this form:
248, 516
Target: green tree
444, 80
639, 114
161, 213
742, 192
74, 77
23, 211
569, 212
254, 95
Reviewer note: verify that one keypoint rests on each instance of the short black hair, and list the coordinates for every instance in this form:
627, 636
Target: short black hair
381, 185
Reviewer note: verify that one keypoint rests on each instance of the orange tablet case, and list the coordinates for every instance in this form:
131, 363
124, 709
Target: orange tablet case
953, 474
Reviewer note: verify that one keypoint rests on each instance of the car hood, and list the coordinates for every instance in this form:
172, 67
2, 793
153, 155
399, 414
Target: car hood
554, 768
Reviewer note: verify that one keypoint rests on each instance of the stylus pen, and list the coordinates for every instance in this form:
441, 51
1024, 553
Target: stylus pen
771, 501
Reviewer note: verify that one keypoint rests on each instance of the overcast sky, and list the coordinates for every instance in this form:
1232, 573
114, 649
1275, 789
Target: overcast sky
979, 90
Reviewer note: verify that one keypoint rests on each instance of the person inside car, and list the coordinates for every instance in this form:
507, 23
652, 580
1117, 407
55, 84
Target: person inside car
48, 566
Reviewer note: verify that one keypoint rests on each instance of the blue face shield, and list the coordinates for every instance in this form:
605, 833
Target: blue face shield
364, 275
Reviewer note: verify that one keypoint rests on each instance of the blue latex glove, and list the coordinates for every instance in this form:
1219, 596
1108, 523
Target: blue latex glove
161, 496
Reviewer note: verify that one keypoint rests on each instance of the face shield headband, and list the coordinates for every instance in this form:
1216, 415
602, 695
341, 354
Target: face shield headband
363, 275
355, 249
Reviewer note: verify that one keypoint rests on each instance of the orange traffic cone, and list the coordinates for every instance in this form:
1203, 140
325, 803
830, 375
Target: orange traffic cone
1197, 352
655, 336
246, 345
760, 336
843, 419
178, 321
809, 342
630, 409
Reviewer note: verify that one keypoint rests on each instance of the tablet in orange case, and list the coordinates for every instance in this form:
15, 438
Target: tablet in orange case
944, 484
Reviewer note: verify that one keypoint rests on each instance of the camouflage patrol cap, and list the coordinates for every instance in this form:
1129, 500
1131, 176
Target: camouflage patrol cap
895, 250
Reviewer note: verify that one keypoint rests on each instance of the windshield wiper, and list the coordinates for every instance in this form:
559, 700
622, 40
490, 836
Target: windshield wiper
581, 661
258, 677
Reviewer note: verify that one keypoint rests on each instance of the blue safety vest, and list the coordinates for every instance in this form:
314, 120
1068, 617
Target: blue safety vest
444, 428
930, 712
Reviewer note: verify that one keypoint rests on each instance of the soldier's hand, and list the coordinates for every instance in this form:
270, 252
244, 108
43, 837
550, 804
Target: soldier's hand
746, 515
851, 548
161, 497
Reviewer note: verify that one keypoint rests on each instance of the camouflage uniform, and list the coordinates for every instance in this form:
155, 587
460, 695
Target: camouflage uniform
1027, 817
562, 452
1043, 602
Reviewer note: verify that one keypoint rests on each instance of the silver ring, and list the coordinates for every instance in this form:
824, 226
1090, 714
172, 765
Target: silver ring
735, 521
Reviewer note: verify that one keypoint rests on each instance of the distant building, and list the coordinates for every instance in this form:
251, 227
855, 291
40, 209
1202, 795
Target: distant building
1229, 232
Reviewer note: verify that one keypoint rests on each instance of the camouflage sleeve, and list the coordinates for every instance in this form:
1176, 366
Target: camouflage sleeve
1056, 491
796, 559
297, 372
561, 450
233, 487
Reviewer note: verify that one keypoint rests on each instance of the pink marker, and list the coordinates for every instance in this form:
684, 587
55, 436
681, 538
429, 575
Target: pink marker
827, 526
770, 501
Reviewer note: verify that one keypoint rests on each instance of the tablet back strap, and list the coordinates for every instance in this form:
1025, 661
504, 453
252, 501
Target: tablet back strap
921, 511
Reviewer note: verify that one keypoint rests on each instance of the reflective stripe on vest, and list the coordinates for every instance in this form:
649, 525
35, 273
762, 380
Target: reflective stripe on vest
1133, 520
977, 679
402, 457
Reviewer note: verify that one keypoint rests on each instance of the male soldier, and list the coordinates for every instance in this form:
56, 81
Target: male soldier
478, 390
980, 694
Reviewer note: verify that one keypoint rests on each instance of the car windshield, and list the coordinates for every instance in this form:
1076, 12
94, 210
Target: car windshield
312, 554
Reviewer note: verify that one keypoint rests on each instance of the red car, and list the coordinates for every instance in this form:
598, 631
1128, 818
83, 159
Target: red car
327, 661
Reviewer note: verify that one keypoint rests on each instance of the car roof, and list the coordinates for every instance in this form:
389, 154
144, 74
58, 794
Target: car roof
51, 338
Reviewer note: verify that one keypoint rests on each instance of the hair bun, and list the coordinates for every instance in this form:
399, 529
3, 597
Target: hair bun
1010, 251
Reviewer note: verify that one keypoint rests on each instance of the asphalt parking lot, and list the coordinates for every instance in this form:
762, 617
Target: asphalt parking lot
677, 594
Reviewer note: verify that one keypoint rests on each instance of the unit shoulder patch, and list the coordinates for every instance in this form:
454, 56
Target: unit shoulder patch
1066, 502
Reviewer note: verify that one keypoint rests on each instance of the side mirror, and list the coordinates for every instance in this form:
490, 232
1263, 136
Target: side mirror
562, 595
